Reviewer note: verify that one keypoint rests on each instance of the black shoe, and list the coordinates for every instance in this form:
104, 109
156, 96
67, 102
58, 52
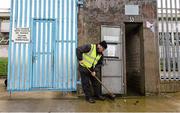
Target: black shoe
91, 100
100, 97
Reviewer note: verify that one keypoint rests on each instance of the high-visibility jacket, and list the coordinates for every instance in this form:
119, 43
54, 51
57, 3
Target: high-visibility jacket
91, 58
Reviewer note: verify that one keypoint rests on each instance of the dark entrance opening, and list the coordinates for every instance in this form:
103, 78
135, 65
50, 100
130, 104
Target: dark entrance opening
135, 78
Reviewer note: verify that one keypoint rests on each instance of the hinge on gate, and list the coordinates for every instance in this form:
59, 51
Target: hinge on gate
34, 58
80, 3
52, 58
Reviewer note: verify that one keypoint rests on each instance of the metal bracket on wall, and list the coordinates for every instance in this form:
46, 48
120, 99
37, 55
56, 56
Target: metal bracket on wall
80, 3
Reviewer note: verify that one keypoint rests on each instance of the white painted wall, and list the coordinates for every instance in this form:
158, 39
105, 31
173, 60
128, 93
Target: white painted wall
3, 50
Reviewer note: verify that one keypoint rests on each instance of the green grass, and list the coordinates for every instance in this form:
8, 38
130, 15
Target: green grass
3, 60
3, 66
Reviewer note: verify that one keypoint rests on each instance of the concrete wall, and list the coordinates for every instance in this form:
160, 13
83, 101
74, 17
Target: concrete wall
3, 50
111, 12
169, 86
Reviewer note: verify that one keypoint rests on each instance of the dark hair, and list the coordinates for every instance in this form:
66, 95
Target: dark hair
103, 44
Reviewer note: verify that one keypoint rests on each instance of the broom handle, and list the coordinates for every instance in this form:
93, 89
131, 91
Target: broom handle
103, 85
100, 82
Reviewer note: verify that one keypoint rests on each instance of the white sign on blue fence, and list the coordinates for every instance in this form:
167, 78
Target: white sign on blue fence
21, 35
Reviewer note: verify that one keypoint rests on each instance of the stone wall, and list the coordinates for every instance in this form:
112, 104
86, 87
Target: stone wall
95, 13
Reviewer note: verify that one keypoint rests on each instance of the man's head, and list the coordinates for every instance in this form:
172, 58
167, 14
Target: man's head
102, 46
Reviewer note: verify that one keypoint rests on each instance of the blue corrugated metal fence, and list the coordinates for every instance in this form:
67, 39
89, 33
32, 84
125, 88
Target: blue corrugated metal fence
48, 60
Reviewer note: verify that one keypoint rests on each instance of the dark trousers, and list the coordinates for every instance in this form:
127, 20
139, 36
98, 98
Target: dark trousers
87, 80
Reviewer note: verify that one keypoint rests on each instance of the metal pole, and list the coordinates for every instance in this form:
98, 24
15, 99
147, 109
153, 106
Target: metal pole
163, 41
177, 35
172, 56
167, 45
0, 25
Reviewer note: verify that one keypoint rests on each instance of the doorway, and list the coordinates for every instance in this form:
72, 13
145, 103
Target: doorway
112, 71
43, 56
135, 77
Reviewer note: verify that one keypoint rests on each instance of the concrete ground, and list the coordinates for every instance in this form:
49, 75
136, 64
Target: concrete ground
66, 102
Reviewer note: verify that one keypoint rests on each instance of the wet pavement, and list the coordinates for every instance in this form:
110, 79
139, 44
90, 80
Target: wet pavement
68, 102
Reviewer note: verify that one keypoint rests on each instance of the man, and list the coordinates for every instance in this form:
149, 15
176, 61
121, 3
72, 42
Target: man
90, 58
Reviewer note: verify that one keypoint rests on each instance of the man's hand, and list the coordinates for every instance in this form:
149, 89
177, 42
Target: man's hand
81, 62
93, 73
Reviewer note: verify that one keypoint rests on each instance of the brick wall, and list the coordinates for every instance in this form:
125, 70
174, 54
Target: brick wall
135, 79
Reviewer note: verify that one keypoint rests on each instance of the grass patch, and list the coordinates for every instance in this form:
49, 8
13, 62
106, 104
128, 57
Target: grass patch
3, 60
3, 66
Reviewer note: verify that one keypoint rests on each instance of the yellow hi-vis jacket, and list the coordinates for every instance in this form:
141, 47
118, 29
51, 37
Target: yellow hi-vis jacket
91, 58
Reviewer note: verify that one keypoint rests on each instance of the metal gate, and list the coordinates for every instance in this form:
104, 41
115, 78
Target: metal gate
169, 39
43, 41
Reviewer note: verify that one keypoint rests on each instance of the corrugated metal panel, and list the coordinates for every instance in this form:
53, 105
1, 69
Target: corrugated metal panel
169, 40
48, 61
